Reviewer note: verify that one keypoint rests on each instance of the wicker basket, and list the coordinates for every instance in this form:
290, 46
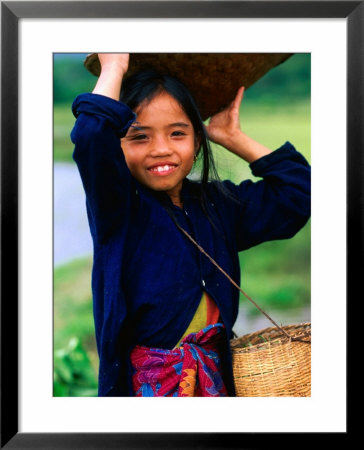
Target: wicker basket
269, 364
212, 78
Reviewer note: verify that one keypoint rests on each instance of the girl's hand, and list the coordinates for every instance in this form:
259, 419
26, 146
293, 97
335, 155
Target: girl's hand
224, 129
224, 126
117, 62
113, 68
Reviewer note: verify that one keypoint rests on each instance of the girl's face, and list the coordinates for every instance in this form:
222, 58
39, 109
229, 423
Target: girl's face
160, 151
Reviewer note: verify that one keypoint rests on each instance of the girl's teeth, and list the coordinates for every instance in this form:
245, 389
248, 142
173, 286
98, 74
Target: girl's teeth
162, 168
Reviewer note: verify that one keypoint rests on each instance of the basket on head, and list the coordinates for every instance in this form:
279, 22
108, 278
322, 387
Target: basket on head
269, 364
212, 78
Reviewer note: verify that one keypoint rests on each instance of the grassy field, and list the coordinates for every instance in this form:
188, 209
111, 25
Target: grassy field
274, 274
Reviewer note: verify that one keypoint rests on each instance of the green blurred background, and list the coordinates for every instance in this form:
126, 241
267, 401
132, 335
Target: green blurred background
275, 274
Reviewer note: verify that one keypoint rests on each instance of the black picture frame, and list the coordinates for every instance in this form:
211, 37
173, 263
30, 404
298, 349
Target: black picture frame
11, 12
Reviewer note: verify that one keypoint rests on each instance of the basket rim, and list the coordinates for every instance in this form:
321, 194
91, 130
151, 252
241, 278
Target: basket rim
302, 330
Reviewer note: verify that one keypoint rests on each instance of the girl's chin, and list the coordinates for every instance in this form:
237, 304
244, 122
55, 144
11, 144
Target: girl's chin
161, 183
165, 187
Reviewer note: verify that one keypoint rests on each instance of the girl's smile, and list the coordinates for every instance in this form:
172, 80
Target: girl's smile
162, 169
160, 146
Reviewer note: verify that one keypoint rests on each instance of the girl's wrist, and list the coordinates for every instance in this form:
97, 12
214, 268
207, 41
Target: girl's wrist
238, 143
246, 147
109, 82
113, 69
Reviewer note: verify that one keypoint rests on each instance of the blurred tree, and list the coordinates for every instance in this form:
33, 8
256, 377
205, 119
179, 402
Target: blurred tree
290, 80
70, 78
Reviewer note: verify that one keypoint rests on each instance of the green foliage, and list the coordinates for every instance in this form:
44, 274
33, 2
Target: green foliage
75, 354
70, 78
73, 374
288, 82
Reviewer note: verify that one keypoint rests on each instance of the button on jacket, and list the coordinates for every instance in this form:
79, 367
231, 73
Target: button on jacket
148, 278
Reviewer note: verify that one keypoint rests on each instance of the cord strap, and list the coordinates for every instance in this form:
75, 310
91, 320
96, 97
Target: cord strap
237, 286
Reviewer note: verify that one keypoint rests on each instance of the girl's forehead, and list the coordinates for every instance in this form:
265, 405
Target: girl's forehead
162, 100
162, 105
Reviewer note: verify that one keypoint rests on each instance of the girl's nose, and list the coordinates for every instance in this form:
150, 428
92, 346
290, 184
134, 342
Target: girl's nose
161, 147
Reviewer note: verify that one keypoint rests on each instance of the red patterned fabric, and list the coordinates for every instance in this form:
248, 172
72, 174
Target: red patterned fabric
191, 370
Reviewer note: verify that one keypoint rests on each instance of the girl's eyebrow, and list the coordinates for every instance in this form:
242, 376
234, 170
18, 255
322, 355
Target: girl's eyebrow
179, 124
136, 127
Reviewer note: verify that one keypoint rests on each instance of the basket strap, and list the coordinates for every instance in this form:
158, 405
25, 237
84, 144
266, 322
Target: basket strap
237, 286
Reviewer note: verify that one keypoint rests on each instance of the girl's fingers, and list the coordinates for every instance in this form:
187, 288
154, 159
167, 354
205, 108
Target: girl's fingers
114, 61
239, 97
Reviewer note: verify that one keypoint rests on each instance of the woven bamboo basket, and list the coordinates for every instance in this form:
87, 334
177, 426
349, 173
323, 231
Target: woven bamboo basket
212, 78
267, 363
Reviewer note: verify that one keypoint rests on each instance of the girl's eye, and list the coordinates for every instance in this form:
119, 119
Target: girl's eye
139, 137
178, 133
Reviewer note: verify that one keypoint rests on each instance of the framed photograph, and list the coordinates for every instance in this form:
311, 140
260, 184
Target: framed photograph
31, 34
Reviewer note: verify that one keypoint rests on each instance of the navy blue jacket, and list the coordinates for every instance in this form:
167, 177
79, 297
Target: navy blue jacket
148, 278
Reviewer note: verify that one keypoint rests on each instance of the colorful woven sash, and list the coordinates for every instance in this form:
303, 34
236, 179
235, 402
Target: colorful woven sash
191, 370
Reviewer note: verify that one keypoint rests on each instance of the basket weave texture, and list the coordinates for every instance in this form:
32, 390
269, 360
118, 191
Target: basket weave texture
212, 78
269, 364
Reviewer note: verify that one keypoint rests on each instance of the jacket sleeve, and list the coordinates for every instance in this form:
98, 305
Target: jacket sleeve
101, 122
278, 205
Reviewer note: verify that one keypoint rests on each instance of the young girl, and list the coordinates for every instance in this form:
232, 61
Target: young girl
163, 312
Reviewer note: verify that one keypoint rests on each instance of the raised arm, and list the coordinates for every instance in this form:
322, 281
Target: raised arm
101, 122
275, 207
113, 68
